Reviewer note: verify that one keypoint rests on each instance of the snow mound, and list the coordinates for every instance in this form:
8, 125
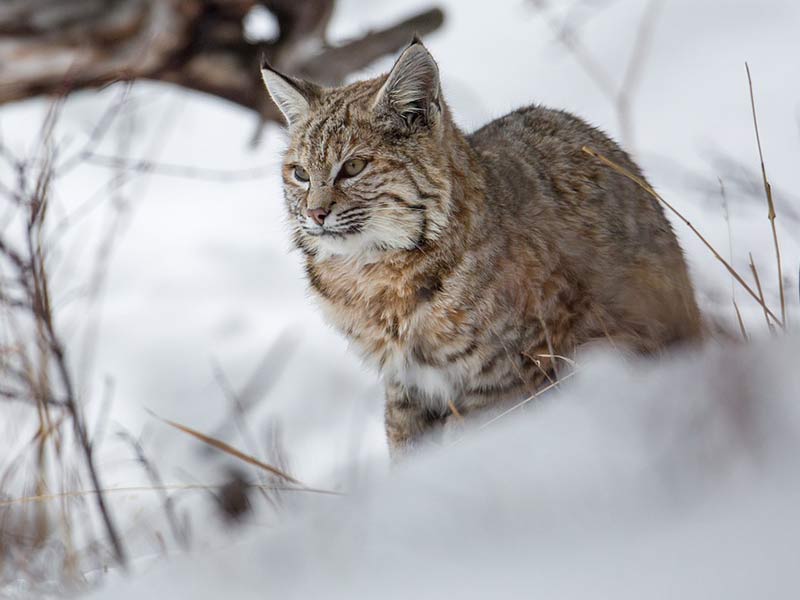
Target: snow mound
675, 479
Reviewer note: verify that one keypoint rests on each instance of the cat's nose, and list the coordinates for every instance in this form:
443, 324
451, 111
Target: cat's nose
318, 214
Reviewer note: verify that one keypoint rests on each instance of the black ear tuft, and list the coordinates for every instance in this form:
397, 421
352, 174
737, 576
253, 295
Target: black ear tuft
411, 91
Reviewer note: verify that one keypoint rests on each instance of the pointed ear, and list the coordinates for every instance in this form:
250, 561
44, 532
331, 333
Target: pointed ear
411, 90
292, 96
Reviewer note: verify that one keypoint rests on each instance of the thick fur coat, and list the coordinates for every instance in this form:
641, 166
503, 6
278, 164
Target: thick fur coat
468, 267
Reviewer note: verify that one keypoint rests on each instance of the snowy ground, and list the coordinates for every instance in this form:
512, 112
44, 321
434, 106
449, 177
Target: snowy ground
200, 277
677, 482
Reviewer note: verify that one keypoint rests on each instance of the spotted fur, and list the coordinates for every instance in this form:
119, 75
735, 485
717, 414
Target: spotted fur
463, 265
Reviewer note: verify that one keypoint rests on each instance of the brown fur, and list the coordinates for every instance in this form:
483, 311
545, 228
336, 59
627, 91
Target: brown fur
462, 265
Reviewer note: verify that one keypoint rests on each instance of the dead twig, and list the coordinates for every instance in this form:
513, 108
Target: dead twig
620, 96
200, 45
173, 170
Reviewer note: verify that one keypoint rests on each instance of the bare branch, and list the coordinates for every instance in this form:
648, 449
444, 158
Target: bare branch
173, 170
49, 46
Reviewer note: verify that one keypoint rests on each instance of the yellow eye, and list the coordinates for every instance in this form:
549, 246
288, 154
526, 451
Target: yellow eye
300, 174
353, 167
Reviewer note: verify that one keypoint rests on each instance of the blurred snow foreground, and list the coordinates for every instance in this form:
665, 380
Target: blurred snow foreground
669, 480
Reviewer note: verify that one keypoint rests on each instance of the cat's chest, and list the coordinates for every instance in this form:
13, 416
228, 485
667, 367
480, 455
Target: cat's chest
383, 322
401, 326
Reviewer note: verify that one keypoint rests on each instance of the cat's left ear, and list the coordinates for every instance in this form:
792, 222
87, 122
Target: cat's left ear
293, 96
412, 90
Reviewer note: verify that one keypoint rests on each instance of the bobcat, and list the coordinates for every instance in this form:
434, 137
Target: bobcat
466, 266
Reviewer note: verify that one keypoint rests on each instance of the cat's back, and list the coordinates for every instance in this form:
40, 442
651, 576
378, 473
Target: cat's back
546, 145
533, 125
540, 179
600, 226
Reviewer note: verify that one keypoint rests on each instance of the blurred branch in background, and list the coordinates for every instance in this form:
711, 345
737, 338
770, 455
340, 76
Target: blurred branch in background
57, 46
619, 94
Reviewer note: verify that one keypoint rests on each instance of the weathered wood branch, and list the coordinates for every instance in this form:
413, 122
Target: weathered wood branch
57, 46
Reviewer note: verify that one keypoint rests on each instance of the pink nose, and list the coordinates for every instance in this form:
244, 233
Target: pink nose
318, 214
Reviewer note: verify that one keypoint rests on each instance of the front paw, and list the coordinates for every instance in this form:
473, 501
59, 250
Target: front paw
408, 425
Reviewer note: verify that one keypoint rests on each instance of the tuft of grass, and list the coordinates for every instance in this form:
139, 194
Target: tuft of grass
34, 361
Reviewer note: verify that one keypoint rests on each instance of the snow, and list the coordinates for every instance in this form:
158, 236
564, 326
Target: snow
676, 480
568, 498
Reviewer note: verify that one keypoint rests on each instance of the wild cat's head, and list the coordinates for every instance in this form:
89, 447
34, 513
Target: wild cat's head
366, 167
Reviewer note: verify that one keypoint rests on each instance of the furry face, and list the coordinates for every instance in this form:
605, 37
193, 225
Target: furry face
365, 169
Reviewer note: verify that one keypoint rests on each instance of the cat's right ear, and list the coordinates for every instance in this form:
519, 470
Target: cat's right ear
293, 96
412, 90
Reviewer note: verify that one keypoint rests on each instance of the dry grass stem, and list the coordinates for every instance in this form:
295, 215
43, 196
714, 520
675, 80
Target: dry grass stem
741, 322
538, 393
175, 487
228, 449
179, 532
454, 409
770, 203
519, 405
758, 287
569, 361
